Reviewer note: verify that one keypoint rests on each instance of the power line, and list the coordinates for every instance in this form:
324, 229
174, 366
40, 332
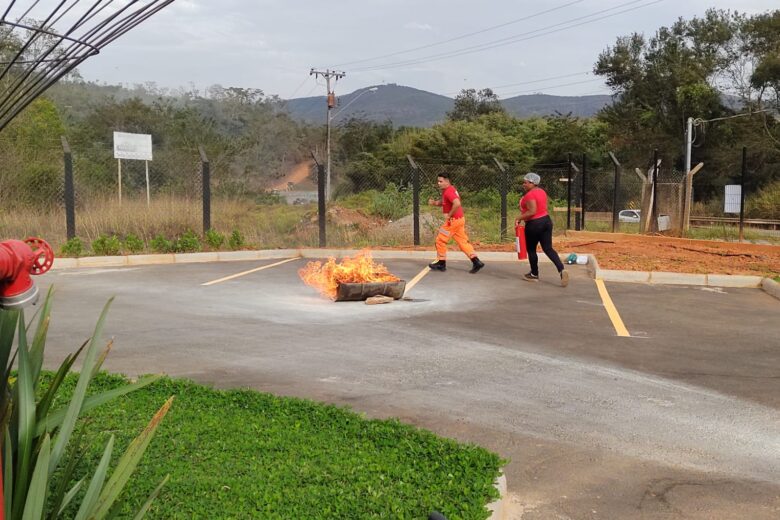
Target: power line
699, 121
536, 91
463, 35
516, 38
531, 82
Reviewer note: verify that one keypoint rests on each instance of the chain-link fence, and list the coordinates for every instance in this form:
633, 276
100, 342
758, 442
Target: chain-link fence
734, 206
183, 201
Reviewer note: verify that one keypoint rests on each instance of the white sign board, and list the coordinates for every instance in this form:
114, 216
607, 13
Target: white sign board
733, 198
132, 146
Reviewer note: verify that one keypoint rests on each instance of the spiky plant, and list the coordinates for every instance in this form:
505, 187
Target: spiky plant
38, 440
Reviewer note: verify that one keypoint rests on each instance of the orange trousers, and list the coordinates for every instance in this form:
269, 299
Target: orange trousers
455, 228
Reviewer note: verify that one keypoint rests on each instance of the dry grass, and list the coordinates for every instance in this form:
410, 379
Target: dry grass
270, 226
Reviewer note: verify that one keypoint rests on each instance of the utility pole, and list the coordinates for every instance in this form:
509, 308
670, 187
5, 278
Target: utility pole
328, 75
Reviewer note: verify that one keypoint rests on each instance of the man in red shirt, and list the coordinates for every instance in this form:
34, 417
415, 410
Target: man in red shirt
454, 226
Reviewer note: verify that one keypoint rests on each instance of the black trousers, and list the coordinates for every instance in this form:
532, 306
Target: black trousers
539, 231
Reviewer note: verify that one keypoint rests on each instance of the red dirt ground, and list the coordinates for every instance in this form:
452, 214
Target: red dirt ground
660, 253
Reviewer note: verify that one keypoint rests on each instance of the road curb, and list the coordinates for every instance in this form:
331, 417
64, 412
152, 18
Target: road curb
771, 287
496, 507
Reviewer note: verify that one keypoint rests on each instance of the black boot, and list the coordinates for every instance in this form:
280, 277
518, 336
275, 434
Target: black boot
438, 265
476, 265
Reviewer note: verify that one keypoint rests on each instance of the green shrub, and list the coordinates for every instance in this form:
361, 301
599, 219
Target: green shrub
236, 240
107, 246
73, 247
392, 203
765, 204
133, 244
214, 239
187, 243
160, 244
268, 198
488, 198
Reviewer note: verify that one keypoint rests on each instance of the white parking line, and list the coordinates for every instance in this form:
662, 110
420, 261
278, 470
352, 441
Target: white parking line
232, 276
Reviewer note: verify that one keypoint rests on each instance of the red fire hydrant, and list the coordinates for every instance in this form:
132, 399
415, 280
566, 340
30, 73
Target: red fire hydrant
18, 260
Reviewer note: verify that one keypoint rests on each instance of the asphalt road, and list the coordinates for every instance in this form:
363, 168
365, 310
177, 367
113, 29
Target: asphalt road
680, 420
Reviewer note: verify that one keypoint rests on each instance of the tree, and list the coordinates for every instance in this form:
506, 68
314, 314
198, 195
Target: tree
563, 134
356, 136
470, 104
721, 69
659, 82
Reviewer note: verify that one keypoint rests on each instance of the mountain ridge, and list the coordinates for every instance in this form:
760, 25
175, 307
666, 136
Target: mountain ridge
408, 106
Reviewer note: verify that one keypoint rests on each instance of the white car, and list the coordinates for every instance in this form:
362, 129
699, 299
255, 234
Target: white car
629, 215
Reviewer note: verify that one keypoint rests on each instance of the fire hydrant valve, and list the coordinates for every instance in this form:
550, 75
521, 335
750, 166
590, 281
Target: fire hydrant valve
18, 260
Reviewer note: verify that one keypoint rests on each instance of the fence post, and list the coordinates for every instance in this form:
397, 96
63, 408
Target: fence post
205, 170
615, 196
653, 219
568, 196
584, 187
742, 196
415, 200
504, 190
70, 195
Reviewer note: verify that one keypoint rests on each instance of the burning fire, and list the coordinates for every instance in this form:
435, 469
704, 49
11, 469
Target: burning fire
359, 269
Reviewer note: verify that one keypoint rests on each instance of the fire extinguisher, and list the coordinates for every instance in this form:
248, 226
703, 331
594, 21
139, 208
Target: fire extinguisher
522, 250
18, 260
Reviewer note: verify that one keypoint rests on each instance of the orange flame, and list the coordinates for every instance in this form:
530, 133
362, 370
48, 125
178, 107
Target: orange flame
359, 269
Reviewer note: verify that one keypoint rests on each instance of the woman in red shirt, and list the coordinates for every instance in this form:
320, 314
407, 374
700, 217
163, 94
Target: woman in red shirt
538, 228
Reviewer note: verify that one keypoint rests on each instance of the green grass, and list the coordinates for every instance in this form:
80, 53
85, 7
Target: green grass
245, 454
730, 234
777, 279
606, 226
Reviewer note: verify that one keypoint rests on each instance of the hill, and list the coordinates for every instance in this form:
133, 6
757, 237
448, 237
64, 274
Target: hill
407, 106
404, 106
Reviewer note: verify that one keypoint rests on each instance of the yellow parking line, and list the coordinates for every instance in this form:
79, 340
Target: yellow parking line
416, 279
225, 279
621, 329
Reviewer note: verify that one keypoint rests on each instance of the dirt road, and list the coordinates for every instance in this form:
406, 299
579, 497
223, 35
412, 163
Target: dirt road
297, 175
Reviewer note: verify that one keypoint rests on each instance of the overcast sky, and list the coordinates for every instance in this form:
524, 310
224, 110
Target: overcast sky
522, 46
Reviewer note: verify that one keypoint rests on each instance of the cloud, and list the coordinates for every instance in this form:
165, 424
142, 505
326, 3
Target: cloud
417, 26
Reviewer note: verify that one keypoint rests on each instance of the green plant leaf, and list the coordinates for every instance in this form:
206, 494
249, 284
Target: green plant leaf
8, 321
65, 476
145, 508
36, 496
45, 403
102, 357
8, 473
25, 400
55, 418
68, 498
39, 340
128, 462
74, 407
96, 484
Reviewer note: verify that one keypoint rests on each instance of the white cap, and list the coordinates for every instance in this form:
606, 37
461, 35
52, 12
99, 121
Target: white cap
532, 178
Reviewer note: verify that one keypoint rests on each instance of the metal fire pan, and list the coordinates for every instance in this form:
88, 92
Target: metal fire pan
354, 292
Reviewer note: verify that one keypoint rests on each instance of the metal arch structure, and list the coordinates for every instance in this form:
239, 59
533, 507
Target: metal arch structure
43, 40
